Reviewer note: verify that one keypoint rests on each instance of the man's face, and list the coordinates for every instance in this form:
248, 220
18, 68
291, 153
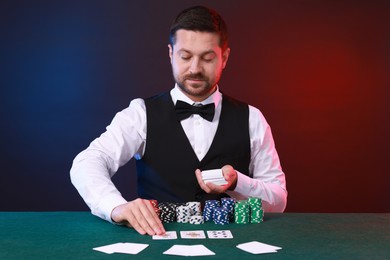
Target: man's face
197, 62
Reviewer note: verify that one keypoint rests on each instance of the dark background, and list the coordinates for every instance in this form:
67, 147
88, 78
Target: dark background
318, 70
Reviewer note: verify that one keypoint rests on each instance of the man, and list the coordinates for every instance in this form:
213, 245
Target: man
172, 147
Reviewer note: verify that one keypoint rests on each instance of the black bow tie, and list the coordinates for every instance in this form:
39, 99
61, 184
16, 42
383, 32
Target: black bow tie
185, 110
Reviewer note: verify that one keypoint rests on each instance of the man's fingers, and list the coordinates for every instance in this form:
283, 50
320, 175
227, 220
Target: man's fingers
146, 217
209, 187
140, 215
136, 219
227, 172
202, 185
133, 223
230, 176
216, 188
153, 219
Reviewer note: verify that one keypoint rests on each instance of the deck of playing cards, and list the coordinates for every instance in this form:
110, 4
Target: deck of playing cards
214, 176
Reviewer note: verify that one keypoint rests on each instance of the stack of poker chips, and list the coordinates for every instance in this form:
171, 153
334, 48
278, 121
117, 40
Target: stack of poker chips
183, 214
256, 210
228, 204
221, 216
155, 207
208, 210
189, 213
221, 212
196, 212
196, 219
167, 211
241, 212
195, 208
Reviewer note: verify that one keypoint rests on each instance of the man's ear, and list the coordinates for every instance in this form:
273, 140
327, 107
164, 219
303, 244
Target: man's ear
170, 52
225, 57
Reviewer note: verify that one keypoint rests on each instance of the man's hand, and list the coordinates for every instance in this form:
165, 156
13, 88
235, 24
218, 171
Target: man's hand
230, 176
140, 215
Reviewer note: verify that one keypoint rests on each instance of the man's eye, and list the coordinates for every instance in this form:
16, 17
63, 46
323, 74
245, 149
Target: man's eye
185, 57
208, 58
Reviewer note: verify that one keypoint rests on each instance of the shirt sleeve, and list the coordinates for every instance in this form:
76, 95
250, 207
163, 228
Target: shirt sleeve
266, 179
93, 168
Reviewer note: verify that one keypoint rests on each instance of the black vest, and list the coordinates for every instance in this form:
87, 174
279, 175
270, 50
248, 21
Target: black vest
166, 172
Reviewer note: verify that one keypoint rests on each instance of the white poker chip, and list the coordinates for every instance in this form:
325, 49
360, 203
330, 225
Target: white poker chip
196, 220
183, 214
195, 208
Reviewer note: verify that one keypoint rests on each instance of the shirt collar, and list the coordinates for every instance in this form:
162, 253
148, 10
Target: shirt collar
177, 94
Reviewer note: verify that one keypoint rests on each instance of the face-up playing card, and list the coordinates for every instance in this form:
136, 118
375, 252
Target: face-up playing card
219, 234
193, 234
167, 235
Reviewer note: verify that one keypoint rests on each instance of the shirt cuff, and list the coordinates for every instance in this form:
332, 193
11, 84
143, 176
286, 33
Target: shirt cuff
107, 205
243, 185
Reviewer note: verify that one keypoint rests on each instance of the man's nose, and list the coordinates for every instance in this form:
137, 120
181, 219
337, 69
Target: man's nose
195, 66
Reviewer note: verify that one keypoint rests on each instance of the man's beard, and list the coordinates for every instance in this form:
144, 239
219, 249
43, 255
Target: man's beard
202, 90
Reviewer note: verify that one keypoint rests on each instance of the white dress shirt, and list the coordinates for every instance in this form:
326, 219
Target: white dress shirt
125, 138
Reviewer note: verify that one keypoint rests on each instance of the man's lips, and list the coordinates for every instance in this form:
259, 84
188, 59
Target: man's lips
195, 79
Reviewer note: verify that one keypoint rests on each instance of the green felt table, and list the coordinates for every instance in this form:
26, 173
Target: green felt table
61, 235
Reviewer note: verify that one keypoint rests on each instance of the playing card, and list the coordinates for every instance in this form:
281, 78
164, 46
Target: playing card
167, 235
256, 247
219, 234
108, 249
124, 248
190, 250
193, 234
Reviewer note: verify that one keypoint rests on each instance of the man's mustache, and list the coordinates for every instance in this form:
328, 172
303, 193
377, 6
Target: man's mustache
197, 76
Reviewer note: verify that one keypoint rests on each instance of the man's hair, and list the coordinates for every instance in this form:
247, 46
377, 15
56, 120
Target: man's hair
200, 19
